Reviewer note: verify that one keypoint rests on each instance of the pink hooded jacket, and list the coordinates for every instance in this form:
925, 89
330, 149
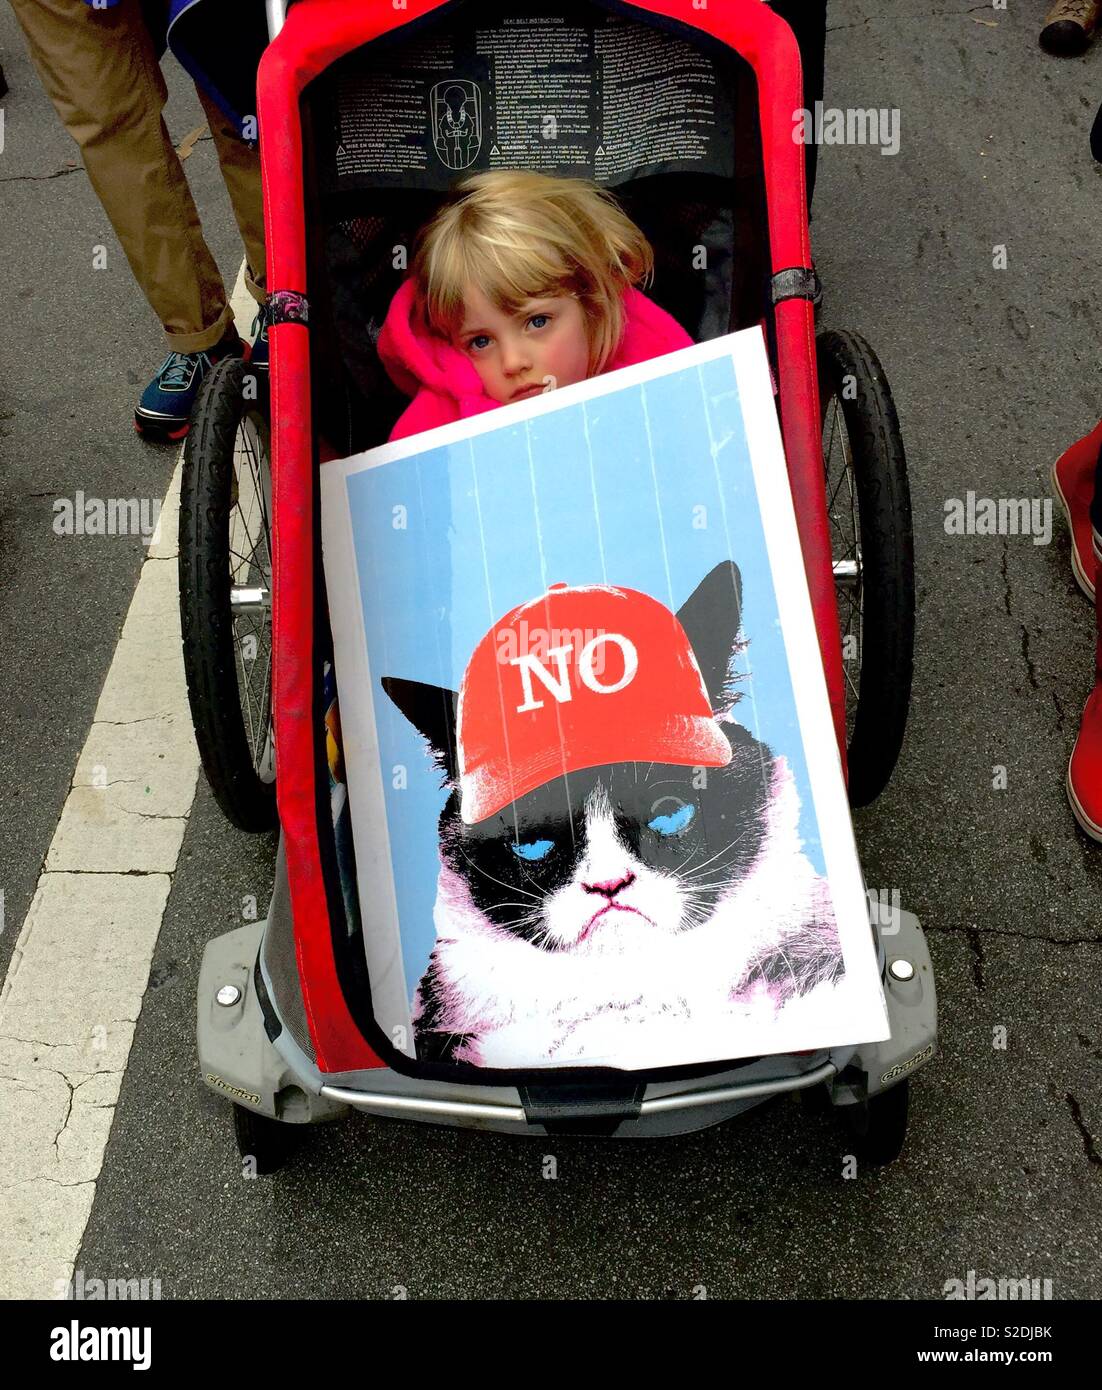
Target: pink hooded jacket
444, 383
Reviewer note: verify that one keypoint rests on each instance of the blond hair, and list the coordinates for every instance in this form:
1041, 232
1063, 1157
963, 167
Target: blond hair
518, 236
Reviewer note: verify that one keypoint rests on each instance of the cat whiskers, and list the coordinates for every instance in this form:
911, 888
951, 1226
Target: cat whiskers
696, 907
532, 923
700, 867
512, 887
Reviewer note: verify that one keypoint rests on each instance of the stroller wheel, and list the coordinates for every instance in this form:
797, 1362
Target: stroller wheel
878, 1126
873, 550
269, 1143
226, 590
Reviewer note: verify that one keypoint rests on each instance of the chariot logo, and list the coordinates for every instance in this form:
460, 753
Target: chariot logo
901, 1067
76, 1343
856, 125
558, 682
232, 1090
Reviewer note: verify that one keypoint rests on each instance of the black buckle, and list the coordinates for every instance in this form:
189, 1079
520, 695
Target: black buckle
288, 306
593, 1107
798, 282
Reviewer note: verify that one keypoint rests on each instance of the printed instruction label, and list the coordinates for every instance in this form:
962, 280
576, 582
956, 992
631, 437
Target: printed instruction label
605, 98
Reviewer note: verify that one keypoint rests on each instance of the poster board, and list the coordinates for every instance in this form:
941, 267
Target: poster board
597, 804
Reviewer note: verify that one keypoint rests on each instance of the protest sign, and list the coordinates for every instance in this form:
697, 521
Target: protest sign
597, 804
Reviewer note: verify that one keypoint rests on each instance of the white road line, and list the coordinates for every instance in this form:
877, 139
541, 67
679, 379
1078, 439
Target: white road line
74, 987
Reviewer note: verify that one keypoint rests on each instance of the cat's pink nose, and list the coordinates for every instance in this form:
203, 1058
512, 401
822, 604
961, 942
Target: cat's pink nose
610, 886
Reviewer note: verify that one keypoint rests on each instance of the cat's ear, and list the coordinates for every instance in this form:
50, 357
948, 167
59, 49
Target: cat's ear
432, 711
712, 619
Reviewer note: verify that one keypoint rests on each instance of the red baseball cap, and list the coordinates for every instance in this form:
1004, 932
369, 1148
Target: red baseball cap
584, 675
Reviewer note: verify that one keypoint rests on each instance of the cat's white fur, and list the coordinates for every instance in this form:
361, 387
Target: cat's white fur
638, 991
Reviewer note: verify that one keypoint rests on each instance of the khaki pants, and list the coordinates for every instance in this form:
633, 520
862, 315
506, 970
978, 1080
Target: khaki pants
101, 72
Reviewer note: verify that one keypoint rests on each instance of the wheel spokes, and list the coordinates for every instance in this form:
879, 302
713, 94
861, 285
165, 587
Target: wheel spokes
845, 527
250, 593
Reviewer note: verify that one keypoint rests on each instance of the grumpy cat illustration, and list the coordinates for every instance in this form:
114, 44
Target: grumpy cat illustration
621, 874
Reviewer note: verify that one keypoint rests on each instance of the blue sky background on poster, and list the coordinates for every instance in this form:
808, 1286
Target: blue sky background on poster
587, 493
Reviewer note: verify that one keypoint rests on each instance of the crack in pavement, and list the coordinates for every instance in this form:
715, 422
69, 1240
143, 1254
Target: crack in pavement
126, 723
977, 959
42, 178
37, 1042
65, 1121
1020, 935
894, 19
1089, 1148
1059, 711
1030, 667
118, 873
42, 1177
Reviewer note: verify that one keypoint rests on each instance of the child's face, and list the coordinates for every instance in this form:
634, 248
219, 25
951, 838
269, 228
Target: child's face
543, 346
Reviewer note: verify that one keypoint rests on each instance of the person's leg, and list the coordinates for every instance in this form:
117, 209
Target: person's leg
101, 73
240, 167
1069, 26
1073, 477
1096, 499
1084, 780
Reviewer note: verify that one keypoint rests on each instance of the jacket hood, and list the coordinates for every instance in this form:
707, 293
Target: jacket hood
444, 383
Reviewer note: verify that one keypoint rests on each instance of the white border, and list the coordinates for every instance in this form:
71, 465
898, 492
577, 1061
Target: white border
363, 768
801, 639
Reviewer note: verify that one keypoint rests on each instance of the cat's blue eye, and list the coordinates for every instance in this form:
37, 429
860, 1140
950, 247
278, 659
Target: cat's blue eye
675, 821
533, 849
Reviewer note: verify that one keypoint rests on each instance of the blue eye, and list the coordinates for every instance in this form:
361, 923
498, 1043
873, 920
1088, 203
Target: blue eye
537, 320
677, 820
534, 849
474, 343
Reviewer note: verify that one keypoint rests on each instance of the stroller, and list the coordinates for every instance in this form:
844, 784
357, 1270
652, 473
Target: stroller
352, 168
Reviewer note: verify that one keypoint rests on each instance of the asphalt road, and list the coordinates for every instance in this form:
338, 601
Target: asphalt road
994, 372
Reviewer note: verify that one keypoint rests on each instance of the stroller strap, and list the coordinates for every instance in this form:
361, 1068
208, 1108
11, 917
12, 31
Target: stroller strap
798, 282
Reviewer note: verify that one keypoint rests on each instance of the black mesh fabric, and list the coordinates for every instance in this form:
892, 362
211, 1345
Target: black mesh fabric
708, 229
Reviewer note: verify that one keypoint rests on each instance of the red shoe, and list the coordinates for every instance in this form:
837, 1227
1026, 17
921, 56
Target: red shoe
1085, 768
1073, 480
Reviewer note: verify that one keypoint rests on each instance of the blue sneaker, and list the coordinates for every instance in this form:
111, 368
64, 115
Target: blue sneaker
164, 410
258, 356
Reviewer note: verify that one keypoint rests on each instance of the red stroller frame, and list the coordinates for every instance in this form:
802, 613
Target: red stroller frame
316, 34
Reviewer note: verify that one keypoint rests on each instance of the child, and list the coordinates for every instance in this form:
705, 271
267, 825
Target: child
521, 283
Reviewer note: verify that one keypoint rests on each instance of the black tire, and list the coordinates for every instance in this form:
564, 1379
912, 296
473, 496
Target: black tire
855, 393
269, 1143
878, 1126
228, 669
